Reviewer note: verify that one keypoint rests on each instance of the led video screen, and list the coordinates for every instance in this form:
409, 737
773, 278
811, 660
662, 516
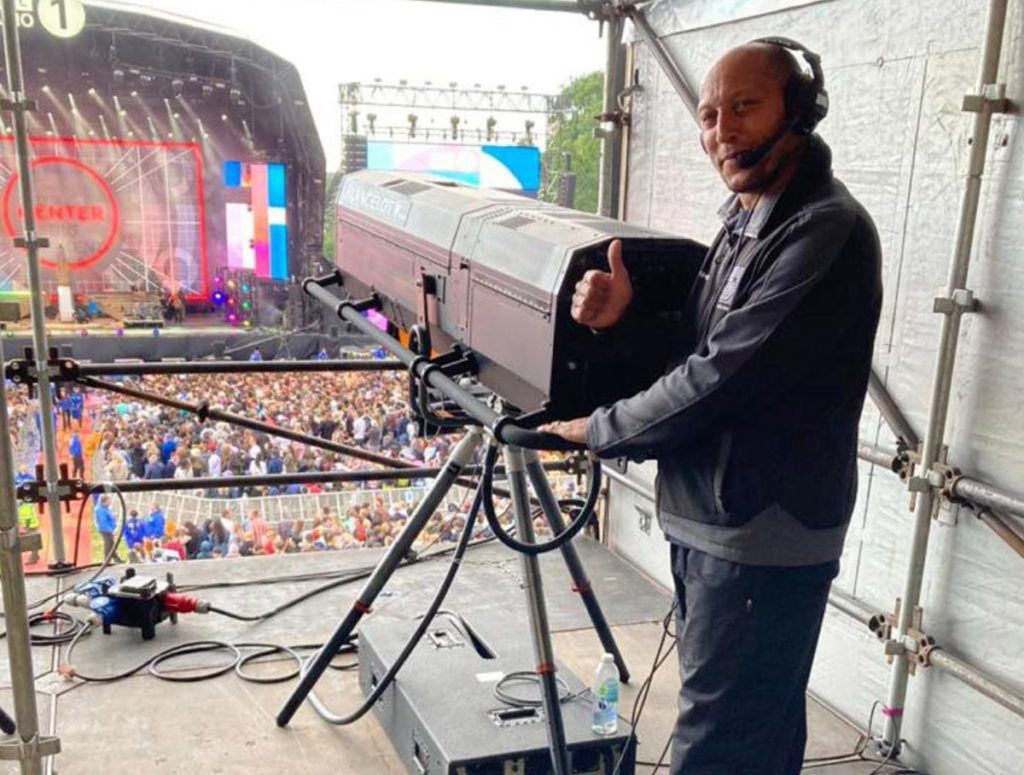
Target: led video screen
255, 218
514, 168
118, 213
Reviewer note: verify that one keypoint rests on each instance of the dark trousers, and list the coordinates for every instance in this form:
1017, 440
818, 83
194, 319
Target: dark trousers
108, 546
747, 636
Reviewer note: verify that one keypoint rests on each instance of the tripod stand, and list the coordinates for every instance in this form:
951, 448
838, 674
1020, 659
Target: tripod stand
522, 468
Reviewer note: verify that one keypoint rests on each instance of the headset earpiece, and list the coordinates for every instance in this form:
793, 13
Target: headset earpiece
805, 96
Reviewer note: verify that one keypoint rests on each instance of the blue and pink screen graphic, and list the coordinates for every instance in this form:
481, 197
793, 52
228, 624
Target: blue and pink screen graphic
514, 168
255, 218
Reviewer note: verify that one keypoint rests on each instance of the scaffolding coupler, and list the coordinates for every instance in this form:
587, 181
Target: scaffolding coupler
916, 647
24, 371
962, 300
68, 490
33, 748
992, 97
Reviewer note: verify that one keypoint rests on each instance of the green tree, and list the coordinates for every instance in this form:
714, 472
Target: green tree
571, 132
331, 213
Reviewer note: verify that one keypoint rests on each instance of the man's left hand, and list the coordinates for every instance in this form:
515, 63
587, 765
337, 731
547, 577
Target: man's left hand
570, 430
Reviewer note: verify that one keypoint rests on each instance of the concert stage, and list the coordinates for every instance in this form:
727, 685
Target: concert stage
200, 337
225, 725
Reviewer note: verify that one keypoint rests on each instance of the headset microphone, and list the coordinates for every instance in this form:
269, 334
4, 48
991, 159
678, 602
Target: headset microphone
748, 159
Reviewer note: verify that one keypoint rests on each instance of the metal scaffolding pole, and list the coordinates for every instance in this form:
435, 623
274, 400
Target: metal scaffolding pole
18, 104
891, 412
957, 301
307, 477
568, 6
986, 495
936, 656
611, 131
977, 680
227, 367
1003, 529
19, 652
668, 64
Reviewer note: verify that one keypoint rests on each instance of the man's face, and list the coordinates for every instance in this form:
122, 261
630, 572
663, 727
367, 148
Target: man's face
742, 106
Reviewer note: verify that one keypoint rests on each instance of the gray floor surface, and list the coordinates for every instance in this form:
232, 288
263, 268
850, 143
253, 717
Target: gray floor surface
225, 725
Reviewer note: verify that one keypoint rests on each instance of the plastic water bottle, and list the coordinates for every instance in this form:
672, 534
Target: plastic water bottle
605, 719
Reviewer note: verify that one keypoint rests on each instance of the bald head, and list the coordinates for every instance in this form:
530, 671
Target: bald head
743, 117
770, 61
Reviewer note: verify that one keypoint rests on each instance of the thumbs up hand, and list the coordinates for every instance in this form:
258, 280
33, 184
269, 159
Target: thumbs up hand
601, 298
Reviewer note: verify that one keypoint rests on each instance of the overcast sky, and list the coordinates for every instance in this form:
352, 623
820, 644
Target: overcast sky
335, 41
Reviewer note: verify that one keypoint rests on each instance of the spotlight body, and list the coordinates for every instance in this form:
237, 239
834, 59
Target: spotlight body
495, 272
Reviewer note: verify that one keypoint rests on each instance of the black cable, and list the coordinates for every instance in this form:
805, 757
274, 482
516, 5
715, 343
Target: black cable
414, 639
641, 699
58, 638
586, 511
68, 669
80, 628
346, 579
266, 650
530, 677
193, 647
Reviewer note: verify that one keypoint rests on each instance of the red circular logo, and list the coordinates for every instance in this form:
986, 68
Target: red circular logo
74, 208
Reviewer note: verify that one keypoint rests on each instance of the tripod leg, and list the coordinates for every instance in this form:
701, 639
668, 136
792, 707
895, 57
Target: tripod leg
581, 584
541, 633
461, 456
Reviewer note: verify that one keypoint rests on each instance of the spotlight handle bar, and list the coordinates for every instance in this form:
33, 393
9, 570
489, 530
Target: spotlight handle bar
503, 428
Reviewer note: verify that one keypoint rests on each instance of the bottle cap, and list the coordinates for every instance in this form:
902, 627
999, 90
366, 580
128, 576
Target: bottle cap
607, 657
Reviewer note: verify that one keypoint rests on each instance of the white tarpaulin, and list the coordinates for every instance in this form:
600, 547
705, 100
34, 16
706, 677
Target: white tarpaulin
896, 73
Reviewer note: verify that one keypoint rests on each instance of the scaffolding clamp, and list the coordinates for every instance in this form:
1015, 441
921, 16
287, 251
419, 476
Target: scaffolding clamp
962, 300
11, 540
27, 750
68, 490
916, 646
992, 98
24, 371
924, 483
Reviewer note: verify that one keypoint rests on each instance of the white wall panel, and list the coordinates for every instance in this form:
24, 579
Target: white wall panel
896, 73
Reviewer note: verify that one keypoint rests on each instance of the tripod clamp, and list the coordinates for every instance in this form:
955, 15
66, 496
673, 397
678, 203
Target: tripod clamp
455, 364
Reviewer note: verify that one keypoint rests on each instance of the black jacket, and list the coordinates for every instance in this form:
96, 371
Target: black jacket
755, 428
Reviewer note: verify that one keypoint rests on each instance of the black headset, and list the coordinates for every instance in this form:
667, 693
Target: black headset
806, 98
